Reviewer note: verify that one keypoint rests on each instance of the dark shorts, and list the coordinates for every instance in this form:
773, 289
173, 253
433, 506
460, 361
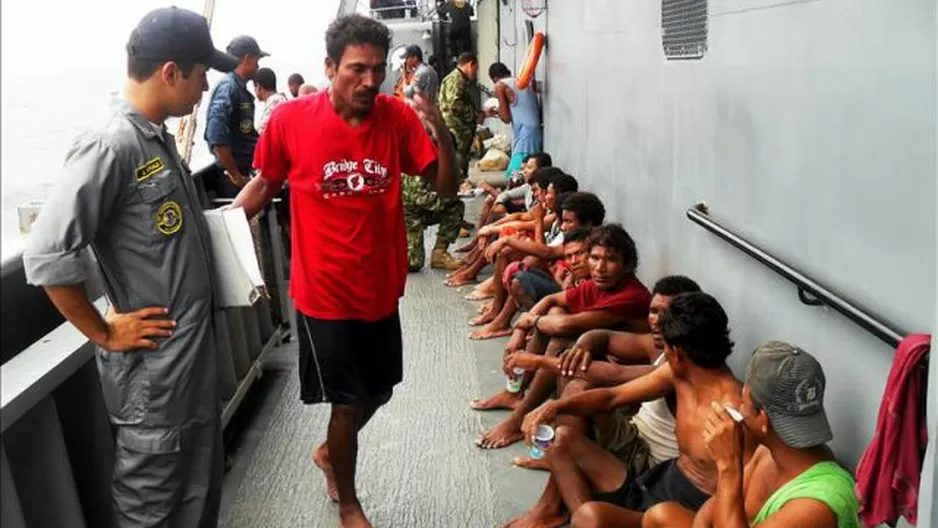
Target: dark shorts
349, 361
661, 483
536, 283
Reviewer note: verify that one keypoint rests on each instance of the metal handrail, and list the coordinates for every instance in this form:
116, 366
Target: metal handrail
809, 291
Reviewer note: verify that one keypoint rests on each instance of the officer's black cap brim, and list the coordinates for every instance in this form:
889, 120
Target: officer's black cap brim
223, 62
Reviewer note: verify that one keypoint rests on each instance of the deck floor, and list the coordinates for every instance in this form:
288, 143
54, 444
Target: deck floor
418, 464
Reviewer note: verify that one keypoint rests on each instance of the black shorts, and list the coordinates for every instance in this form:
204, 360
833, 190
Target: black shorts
661, 483
349, 361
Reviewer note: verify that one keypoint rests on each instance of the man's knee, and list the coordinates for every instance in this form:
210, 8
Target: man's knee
574, 386
532, 262
348, 411
588, 515
499, 209
557, 310
656, 516
557, 345
565, 439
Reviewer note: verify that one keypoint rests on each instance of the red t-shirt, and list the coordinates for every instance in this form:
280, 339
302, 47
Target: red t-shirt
630, 300
349, 242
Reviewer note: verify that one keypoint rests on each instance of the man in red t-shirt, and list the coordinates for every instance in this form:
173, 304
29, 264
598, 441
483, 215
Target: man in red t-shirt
612, 297
343, 151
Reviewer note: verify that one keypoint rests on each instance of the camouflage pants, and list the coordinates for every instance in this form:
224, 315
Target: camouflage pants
462, 141
424, 207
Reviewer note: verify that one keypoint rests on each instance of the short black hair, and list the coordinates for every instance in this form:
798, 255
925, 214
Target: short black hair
580, 234
564, 183
498, 71
352, 30
141, 69
413, 51
466, 58
675, 285
266, 78
586, 206
542, 159
614, 237
543, 176
296, 80
696, 323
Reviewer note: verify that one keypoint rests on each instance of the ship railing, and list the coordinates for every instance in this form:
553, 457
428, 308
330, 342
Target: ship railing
57, 449
810, 292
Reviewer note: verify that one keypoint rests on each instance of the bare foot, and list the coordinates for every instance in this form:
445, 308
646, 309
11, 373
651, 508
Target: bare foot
321, 459
478, 295
354, 518
488, 333
484, 308
459, 280
502, 400
484, 319
502, 435
531, 463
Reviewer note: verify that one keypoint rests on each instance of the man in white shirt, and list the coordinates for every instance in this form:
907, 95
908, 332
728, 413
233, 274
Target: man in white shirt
265, 88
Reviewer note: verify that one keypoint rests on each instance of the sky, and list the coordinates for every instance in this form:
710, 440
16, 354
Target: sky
70, 37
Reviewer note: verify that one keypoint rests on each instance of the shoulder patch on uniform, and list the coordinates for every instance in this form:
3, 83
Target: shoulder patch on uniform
169, 218
247, 126
150, 168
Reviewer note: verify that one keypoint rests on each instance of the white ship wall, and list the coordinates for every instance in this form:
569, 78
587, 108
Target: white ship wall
808, 126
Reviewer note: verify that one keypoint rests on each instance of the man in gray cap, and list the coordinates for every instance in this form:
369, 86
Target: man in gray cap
229, 130
794, 479
127, 194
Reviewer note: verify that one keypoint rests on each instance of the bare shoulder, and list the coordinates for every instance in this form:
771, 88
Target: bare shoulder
731, 388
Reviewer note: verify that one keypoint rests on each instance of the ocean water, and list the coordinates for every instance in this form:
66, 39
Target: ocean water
40, 120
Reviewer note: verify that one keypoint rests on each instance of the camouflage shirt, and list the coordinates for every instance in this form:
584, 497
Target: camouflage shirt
457, 103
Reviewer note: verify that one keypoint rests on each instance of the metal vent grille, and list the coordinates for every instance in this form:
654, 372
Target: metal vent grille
684, 28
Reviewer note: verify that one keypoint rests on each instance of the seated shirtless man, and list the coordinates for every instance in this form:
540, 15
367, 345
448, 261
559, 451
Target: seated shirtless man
696, 345
638, 440
575, 210
540, 222
792, 479
612, 297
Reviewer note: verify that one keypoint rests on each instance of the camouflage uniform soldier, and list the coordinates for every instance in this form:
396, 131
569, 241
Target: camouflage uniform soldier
458, 106
424, 207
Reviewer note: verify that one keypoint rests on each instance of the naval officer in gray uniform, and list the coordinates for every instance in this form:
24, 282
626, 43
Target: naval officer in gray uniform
125, 193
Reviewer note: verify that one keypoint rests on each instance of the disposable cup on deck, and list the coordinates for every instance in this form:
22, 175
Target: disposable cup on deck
543, 437
513, 380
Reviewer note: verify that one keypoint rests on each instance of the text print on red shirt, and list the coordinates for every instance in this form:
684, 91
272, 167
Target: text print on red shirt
345, 178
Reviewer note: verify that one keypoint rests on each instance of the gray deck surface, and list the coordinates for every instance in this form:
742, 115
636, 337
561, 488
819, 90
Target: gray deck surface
418, 465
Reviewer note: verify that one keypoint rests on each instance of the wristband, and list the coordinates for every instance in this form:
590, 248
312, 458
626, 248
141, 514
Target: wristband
536, 319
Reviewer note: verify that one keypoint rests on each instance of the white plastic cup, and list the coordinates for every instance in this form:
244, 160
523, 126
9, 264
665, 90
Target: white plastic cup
543, 437
513, 380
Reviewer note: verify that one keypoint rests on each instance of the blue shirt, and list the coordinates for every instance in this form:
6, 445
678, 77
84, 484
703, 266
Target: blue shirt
230, 120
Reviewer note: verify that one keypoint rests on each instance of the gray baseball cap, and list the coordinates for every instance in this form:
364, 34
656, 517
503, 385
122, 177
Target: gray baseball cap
789, 384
